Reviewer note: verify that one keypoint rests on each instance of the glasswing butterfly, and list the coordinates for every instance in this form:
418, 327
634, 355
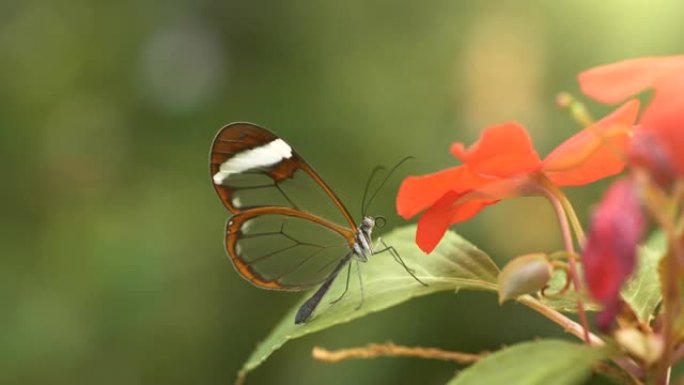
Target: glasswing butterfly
273, 240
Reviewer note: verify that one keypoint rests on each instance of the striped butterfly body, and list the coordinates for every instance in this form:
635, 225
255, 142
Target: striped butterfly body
272, 238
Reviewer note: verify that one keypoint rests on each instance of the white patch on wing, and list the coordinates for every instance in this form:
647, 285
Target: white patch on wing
236, 202
245, 227
264, 156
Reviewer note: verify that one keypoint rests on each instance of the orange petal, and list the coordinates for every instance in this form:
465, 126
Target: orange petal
502, 151
594, 153
437, 219
664, 118
496, 190
613, 83
433, 224
419, 192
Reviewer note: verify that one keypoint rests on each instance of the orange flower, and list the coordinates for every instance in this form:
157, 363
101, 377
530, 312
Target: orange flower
504, 164
660, 138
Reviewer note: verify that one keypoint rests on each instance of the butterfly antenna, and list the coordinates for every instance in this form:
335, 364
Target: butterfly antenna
383, 182
365, 191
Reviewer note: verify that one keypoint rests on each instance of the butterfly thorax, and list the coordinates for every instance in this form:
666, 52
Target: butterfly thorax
363, 246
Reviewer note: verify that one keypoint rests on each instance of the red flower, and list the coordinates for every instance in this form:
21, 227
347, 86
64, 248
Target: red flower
610, 253
504, 164
660, 138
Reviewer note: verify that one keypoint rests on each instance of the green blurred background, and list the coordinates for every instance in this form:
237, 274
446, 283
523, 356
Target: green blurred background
113, 269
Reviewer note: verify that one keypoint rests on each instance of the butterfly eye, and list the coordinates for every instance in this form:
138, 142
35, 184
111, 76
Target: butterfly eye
380, 221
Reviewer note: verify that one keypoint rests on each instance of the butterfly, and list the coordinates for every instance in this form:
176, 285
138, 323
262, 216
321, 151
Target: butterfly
275, 240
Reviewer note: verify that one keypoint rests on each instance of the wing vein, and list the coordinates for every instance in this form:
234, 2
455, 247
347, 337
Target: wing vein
269, 255
300, 264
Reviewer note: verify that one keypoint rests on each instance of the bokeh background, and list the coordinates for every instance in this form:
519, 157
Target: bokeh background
112, 268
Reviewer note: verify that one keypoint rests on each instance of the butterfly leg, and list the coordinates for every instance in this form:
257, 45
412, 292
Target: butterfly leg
397, 257
358, 271
346, 286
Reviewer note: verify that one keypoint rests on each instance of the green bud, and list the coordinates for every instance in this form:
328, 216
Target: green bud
523, 275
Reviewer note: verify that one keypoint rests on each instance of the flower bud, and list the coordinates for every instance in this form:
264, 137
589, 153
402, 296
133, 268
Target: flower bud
609, 256
648, 347
523, 275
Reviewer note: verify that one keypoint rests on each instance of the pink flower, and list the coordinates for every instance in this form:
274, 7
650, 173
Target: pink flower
610, 253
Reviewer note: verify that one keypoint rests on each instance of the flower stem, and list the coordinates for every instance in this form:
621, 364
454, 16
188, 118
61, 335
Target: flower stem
574, 221
392, 350
568, 325
663, 210
570, 212
630, 368
555, 197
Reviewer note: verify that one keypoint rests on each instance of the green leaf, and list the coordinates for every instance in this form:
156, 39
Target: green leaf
455, 264
533, 363
642, 291
566, 302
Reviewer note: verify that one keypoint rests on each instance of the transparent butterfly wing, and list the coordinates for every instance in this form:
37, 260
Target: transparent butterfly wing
288, 227
279, 248
287, 181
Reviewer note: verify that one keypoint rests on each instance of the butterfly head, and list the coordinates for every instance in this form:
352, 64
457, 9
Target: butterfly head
367, 223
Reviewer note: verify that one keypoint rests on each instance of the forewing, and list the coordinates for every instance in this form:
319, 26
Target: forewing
284, 249
251, 167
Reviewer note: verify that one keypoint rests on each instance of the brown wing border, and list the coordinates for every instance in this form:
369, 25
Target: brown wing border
282, 171
234, 224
